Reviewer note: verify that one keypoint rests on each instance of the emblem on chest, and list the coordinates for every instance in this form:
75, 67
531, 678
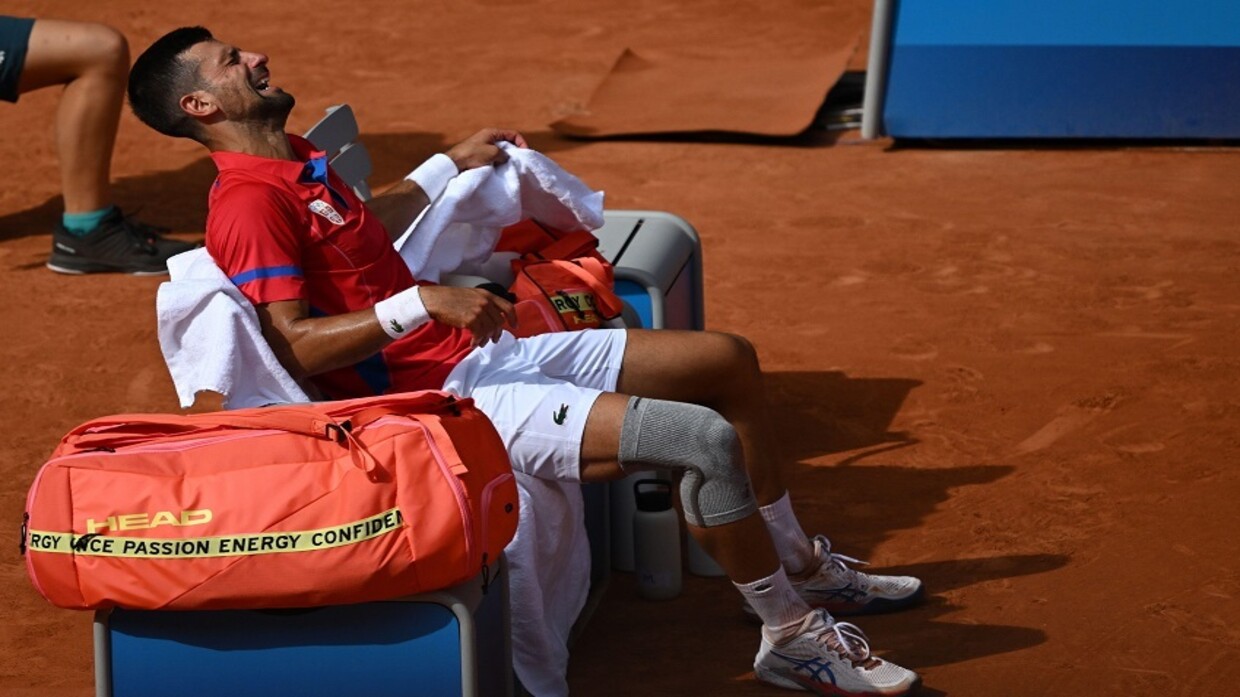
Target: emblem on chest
325, 209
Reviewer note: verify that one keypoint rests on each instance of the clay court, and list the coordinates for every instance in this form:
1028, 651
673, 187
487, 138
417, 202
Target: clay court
1010, 371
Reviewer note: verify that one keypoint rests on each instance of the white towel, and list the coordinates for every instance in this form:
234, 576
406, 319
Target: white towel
459, 230
549, 581
211, 338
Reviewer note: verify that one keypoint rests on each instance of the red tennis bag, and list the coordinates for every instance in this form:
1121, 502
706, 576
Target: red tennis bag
286, 506
562, 282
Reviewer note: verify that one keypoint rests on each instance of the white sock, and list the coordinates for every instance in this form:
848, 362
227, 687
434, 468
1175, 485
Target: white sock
774, 599
795, 550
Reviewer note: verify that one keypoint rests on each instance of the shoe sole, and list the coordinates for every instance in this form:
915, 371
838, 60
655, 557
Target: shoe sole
773, 678
99, 268
876, 606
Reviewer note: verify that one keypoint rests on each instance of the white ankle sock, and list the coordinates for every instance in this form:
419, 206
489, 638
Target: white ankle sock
795, 550
774, 599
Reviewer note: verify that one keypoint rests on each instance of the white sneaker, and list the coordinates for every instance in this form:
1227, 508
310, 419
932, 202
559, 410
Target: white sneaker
844, 591
829, 658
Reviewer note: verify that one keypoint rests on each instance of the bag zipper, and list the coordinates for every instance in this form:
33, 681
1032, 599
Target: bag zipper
186, 444
462, 501
486, 509
34, 487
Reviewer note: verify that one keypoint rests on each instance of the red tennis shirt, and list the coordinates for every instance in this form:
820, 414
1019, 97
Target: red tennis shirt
283, 230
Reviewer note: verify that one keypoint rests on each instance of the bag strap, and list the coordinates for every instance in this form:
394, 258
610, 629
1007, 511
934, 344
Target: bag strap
524, 237
124, 429
570, 246
592, 273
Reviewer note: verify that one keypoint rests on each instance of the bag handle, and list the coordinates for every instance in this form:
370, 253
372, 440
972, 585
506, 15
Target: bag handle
591, 272
572, 244
124, 429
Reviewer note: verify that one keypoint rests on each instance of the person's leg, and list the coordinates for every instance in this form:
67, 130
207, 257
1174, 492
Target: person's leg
801, 648
553, 400
742, 547
721, 371
94, 235
92, 62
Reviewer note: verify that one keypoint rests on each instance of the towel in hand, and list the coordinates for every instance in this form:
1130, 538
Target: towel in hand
460, 229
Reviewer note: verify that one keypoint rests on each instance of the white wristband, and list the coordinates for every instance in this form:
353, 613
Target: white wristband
433, 175
402, 313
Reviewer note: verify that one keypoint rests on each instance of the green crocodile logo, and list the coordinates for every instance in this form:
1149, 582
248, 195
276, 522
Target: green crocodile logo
559, 416
396, 326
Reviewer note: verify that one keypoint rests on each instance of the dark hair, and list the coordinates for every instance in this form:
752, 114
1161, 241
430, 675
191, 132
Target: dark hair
161, 76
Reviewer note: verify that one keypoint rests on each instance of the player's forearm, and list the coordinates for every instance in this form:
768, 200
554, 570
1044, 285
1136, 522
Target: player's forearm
308, 346
315, 345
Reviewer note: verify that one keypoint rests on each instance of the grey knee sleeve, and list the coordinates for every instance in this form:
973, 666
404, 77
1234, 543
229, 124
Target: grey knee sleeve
697, 441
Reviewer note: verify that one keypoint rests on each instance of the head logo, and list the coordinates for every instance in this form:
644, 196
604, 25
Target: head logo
325, 209
145, 521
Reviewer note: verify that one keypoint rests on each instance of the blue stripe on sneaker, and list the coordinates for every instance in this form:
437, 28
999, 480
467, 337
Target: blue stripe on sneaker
264, 273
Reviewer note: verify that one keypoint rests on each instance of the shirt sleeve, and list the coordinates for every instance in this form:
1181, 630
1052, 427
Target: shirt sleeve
255, 237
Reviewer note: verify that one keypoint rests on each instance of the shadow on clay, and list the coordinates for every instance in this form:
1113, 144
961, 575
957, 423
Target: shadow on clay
819, 413
950, 574
177, 199
917, 638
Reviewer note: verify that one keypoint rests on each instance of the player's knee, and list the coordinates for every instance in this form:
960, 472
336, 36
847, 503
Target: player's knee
105, 48
701, 444
733, 351
742, 350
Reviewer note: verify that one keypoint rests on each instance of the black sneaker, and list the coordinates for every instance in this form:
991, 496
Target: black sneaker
118, 244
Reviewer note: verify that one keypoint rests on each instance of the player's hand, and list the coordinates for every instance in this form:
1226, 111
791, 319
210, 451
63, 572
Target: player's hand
483, 313
482, 149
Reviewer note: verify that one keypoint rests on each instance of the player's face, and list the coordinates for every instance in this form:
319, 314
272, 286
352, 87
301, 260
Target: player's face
241, 83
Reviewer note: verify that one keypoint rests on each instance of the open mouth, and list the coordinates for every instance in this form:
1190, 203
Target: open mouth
263, 86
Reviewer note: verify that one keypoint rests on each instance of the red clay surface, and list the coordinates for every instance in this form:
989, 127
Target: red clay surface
1011, 372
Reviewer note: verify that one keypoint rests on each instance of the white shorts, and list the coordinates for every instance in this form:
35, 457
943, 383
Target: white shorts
539, 391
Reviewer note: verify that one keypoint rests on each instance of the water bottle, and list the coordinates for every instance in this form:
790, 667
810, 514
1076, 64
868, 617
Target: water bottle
656, 540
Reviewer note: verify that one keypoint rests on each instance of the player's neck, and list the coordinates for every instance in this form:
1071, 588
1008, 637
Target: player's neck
250, 139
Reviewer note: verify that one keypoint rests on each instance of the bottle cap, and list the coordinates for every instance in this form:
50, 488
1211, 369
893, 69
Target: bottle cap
656, 497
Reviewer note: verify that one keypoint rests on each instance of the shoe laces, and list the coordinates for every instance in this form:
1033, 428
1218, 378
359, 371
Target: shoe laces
839, 562
849, 642
145, 234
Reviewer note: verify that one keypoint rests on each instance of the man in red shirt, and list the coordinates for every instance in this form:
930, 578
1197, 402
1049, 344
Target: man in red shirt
340, 309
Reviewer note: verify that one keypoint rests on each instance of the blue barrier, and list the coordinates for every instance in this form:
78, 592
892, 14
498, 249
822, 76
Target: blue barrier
1060, 69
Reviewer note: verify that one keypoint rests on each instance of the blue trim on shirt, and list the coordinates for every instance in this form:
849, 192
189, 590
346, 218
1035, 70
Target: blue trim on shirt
265, 272
315, 170
373, 371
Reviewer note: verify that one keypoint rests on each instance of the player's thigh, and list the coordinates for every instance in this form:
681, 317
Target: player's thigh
591, 358
59, 51
541, 420
687, 366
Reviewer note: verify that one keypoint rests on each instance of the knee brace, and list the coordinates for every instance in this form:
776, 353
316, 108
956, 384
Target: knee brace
698, 442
